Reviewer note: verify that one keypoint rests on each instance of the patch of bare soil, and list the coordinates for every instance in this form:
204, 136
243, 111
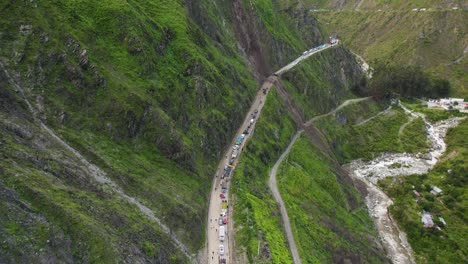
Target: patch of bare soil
247, 34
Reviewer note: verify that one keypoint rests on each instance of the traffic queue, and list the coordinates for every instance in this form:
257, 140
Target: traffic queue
225, 175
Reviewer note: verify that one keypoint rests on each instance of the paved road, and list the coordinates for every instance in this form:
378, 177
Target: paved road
212, 249
284, 214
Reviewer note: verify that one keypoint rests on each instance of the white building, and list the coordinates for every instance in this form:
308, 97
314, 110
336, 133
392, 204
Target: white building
447, 103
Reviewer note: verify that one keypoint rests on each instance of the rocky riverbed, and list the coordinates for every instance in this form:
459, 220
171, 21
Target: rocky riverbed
393, 164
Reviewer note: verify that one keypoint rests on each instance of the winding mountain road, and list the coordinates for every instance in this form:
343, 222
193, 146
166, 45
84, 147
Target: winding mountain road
345, 103
211, 254
274, 187
284, 214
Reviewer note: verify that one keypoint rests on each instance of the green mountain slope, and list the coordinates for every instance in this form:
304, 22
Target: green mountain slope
149, 92
329, 219
434, 40
138, 89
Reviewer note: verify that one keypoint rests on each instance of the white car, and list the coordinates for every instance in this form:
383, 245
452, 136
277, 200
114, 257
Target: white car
235, 147
221, 250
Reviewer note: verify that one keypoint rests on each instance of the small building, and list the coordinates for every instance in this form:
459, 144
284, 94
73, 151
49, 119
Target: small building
426, 219
436, 190
447, 104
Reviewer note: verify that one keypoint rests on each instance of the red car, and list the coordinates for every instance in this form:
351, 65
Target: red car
222, 196
225, 221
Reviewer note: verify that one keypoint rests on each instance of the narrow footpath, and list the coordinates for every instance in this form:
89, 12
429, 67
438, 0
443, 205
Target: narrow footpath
345, 103
99, 175
375, 116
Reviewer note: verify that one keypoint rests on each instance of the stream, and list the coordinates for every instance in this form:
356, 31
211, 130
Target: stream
394, 164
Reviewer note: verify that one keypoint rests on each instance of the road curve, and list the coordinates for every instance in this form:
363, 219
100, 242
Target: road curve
345, 103
274, 187
284, 214
211, 253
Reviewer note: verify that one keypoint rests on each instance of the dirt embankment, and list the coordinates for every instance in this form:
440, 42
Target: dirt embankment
247, 33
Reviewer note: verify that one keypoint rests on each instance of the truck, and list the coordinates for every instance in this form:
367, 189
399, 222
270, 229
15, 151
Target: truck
222, 233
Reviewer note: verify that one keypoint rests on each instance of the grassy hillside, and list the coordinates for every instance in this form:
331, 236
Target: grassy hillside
256, 215
150, 92
378, 135
382, 4
447, 245
435, 40
328, 225
54, 212
139, 89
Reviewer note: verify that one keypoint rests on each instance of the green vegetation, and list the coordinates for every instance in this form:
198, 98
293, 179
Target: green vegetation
383, 4
447, 245
433, 40
432, 115
142, 91
378, 135
52, 210
329, 219
413, 138
406, 81
256, 214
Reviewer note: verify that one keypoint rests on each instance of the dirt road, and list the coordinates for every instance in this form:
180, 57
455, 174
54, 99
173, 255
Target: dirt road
215, 200
284, 214
296, 61
211, 253
345, 103
373, 117
274, 187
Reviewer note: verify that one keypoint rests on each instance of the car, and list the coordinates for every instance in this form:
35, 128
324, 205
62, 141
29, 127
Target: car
231, 161
221, 250
220, 221
225, 221
222, 196
235, 147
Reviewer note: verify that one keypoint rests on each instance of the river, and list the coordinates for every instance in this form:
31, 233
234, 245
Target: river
394, 164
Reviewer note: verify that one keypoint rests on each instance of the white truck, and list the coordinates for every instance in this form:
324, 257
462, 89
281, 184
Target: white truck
222, 233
